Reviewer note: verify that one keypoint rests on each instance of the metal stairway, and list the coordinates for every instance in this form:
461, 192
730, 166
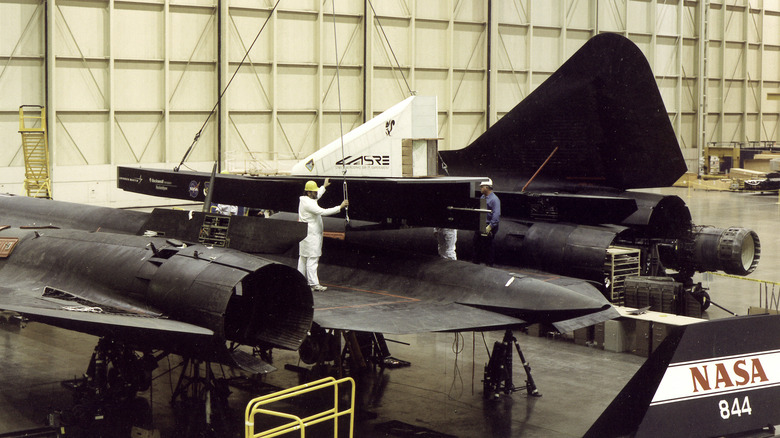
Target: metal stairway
35, 145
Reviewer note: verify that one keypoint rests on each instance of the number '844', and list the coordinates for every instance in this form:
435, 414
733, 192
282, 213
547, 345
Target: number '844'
736, 408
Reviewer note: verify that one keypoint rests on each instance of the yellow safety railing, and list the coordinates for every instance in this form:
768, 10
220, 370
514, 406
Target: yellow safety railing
296, 423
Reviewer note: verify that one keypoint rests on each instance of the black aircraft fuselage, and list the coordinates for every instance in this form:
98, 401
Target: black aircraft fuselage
370, 289
147, 292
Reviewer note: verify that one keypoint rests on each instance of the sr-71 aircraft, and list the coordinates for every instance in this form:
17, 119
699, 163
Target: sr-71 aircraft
594, 130
564, 162
724, 370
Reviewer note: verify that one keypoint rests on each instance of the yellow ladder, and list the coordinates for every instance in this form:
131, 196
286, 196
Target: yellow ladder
35, 145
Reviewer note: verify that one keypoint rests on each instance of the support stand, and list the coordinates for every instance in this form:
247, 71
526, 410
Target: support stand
498, 371
105, 398
200, 401
358, 351
363, 347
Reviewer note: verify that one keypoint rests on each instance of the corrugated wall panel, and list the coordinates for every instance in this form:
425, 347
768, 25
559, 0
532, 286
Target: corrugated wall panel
22, 68
132, 82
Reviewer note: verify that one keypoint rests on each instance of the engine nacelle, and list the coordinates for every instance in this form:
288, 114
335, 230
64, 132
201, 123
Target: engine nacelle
237, 296
575, 250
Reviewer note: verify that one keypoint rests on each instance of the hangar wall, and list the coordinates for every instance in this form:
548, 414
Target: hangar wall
131, 82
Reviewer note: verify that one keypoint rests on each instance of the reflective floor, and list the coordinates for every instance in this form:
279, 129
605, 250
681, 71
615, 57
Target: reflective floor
441, 391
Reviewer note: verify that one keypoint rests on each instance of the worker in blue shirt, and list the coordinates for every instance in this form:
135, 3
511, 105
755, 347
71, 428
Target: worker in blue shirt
483, 242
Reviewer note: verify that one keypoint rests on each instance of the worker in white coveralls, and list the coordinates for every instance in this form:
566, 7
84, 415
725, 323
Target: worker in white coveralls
310, 248
447, 239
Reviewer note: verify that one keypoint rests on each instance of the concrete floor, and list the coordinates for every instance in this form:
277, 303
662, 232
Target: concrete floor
442, 390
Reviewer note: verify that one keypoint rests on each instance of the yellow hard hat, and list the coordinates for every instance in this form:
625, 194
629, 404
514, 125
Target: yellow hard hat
311, 186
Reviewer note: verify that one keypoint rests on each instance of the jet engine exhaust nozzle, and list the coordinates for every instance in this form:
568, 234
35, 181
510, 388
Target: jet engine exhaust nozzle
733, 250
272, 306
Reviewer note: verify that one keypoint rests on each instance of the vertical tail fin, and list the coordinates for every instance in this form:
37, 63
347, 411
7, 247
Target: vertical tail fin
713, 378
601, 109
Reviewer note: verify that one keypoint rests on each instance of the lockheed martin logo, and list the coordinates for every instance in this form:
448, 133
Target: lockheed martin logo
133, 180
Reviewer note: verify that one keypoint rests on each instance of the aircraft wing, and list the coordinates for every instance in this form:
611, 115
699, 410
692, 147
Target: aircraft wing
338, 309
371, 311
41, 303
371, 288
390, 291
144, 329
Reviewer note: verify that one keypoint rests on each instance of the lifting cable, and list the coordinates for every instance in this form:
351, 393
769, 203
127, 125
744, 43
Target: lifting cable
400, 70
222, 94
341, 123
338, 88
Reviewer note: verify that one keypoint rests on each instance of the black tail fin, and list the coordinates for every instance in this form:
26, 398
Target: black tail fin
713, 378
603, 111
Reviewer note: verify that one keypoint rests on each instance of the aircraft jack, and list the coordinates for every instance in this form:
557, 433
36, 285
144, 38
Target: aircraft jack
200, 401
362, 348
498, 371
105, 397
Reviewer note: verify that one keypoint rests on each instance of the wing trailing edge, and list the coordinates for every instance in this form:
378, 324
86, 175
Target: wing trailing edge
569, 325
